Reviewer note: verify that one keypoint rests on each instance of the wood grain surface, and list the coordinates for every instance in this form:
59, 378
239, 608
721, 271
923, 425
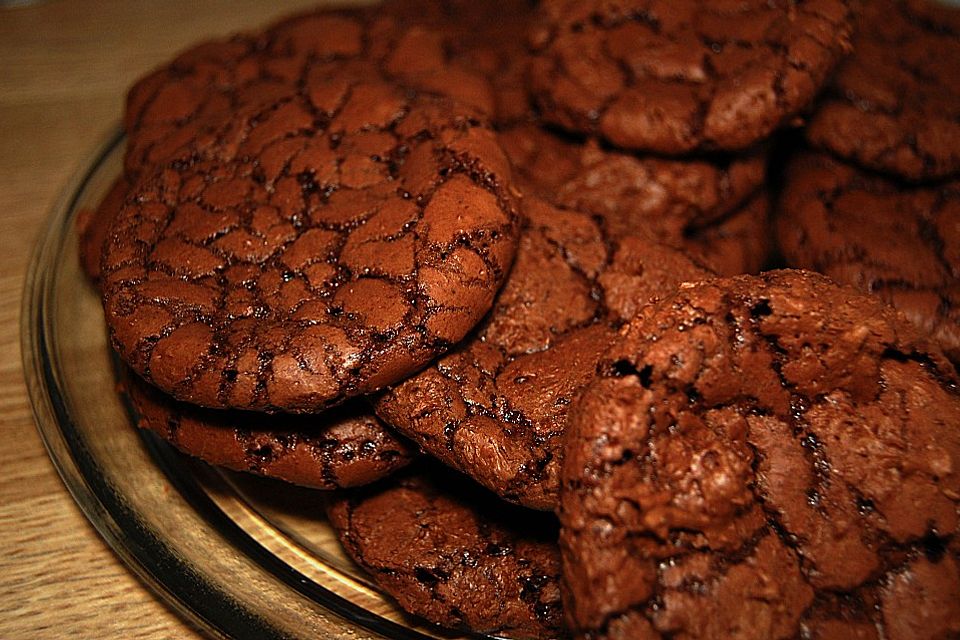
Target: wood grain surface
65, 68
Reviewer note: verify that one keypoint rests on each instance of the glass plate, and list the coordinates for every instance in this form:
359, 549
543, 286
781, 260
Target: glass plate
242, 557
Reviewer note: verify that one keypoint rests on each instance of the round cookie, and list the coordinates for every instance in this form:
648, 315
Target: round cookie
318, 249
344, 447
673, 76
894, 105
453, 554
664, 197
496, 407
708, 208
769, 456
170, 109
900, 243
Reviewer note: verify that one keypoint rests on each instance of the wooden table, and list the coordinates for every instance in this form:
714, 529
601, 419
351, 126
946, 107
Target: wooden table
64, 69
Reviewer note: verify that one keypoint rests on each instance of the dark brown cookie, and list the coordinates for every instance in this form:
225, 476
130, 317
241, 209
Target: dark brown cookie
663, 197
315, 250
170, 108
769, 456
452, 553
900, 243
482, 37
710, 209
894, 105
343, 447
675, 76
496, 407
94, 224
166, 108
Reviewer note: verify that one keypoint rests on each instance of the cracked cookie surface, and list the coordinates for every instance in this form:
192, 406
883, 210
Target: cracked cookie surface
482, 37
495, 408
343, 447
313, 247
712, 209
771, 456
674, 77
452, 553
424, 51
898, 242
894, 105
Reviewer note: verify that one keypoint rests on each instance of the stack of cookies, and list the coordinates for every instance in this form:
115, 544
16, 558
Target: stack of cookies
501, 276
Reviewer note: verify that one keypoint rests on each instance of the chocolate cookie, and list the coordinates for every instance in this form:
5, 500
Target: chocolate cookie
320, 248
455, 555
900, 243
663, 197
343, 447
679, 76
496, 407
771, 456
482, 37
94, 224
168, 110
710, 209
894, 105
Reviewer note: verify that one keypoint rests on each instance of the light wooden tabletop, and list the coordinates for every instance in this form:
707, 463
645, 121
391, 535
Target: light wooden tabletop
64, 72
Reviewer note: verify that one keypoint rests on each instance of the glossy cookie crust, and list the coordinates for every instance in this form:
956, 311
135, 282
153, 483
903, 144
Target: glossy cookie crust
314, 248
342, 447
496, 407
716, 210
205, 85
454, 554
769, 456
676, 76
